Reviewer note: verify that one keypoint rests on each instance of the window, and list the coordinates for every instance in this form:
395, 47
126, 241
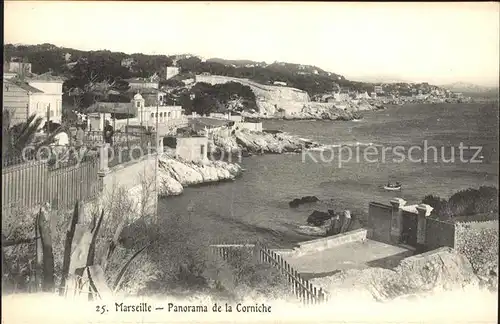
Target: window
202, 150
152, 115
138, 104
161, 114
169, 114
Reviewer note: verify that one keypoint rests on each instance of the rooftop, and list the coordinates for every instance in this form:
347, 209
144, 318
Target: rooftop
44, 77
113, 107
23, 85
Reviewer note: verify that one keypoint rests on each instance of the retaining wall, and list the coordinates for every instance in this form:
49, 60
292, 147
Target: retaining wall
333, 241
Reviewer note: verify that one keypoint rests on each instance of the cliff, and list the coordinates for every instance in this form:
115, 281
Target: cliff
175, 174
291, 103
269, 98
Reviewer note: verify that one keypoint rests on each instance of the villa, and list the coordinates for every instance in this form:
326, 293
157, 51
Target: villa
28, 94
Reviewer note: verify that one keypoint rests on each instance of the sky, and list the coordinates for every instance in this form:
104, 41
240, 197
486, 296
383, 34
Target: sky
439, 43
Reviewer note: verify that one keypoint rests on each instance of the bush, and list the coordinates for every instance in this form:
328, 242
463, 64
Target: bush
465, 203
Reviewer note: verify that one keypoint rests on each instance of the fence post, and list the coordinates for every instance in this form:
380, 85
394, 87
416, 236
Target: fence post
39, 256
48, 256
104, 158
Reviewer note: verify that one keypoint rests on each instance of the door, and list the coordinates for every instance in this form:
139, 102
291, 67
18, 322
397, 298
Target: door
409, 229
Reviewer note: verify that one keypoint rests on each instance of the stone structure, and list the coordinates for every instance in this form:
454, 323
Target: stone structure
138, 179
192, 149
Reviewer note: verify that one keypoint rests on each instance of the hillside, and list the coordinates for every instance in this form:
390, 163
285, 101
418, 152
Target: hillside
78, 64
108, 72
236, 63
469, 88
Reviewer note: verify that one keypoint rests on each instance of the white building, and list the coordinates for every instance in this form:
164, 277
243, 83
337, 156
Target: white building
171, 71
49, 99
149, 115
40, 94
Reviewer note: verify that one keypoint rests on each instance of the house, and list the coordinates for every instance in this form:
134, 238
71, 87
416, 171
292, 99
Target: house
17, 67
171, 71
152, 96
146, 113
16, 100
363, 95
51, 96
378, 89
140, 83
42, 92
188, 81
192, 148
127, 62
342, 95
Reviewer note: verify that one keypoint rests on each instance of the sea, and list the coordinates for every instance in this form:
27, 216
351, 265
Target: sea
349, 171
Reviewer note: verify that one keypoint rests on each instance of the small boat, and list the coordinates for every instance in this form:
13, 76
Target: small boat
393, 187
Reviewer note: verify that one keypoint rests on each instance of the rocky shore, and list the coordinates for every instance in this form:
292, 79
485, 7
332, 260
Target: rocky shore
246, 141
343, 111
175, 175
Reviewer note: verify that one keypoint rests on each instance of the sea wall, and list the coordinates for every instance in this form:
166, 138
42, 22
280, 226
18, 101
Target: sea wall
136, 179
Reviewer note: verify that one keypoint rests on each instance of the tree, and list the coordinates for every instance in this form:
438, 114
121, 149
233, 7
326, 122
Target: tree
191, 64
16, 138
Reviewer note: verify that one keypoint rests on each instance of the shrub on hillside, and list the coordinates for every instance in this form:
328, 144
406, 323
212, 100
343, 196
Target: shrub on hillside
465, 203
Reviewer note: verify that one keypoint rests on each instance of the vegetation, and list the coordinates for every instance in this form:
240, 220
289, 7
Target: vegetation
78, 65
17, 137
465, 203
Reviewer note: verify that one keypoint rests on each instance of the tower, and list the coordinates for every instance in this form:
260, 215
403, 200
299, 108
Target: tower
138, 103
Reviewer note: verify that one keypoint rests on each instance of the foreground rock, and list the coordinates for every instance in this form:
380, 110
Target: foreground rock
175, 174
243, 140
441, 269
304, 200
318, 218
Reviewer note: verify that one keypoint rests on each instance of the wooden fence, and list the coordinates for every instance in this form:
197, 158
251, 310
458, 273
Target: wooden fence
304, 290
33, 183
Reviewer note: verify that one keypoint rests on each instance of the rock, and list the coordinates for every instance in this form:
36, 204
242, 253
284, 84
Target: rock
247, 142
174, 174
318, 218
299, 201
443, 268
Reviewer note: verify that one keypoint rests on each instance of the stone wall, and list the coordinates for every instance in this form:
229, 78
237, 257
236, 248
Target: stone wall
137, 179
439, 234
254, 127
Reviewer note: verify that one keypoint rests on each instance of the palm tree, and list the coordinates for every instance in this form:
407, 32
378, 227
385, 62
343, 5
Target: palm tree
16, 138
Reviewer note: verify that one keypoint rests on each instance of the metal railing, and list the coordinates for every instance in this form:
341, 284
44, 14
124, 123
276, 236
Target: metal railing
304, 290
